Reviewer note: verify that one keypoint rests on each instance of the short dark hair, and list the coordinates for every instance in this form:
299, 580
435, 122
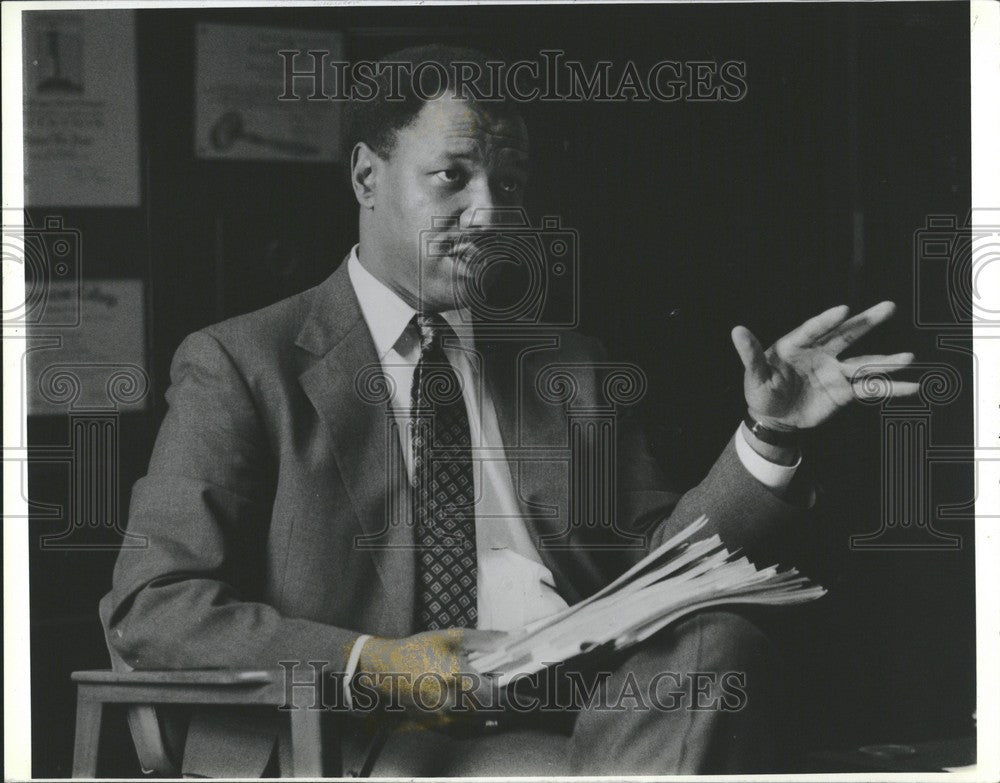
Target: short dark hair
377, 120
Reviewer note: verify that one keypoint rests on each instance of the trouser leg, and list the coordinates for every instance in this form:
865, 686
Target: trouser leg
707, 690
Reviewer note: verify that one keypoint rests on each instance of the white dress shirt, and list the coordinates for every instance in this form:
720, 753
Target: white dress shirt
513, 585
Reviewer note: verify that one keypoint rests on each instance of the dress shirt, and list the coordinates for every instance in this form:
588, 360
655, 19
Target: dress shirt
513, 586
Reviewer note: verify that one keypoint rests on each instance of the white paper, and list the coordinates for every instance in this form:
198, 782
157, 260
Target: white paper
645, 599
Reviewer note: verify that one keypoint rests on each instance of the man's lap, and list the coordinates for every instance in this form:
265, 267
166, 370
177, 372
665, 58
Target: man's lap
639, 720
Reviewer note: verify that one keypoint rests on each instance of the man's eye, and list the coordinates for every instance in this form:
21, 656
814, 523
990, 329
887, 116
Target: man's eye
451, 176
510, 185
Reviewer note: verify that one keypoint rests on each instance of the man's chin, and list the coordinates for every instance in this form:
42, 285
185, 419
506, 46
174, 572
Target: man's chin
465, 279
457, 284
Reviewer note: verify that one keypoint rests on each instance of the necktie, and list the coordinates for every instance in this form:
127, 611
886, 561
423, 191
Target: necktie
443, 487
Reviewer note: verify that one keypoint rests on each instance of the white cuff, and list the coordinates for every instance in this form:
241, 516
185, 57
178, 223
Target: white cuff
352, 666
772, 475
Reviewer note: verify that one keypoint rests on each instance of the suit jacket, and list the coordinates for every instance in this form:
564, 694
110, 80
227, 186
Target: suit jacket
278, 527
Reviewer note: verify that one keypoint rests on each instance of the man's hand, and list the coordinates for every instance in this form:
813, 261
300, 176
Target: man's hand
424, 673
799, 382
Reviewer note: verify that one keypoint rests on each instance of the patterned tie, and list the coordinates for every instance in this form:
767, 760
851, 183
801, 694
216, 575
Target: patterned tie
443, 487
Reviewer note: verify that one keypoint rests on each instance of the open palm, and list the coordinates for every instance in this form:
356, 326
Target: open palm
800, 382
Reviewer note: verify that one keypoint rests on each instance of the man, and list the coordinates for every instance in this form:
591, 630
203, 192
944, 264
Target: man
278, 530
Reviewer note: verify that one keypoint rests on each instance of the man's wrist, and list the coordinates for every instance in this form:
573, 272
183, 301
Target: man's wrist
372, 654
769, 430
786, 454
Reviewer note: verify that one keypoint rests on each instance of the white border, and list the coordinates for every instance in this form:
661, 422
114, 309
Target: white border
16, 614
985, 67
984, 21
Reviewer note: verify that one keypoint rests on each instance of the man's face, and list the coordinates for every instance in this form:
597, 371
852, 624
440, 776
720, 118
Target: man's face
454, 164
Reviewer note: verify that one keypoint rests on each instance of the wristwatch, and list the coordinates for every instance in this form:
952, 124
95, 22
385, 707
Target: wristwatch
774, 437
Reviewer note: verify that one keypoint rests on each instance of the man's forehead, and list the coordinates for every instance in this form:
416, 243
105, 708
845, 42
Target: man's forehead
461, 127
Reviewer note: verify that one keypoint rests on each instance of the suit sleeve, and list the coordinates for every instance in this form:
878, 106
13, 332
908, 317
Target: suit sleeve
743, 511
186, 599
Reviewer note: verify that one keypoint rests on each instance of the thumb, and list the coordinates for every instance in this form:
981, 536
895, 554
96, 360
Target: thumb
751, 354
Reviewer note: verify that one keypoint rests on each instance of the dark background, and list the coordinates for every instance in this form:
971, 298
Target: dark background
692, 217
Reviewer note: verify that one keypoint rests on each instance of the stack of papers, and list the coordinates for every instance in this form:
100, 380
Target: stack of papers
679, 577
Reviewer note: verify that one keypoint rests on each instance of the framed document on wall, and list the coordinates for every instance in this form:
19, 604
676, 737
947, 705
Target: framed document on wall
242, 108
81, 121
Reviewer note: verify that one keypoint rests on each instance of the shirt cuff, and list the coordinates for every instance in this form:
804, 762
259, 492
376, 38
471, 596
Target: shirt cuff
772, 475
352, 667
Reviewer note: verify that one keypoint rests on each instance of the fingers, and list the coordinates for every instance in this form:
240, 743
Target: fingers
853, 329
477, 690
883, 390
751, 354
817, 326
476, 640
876, 363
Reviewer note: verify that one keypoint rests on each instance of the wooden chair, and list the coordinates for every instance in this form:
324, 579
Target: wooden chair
146, 693
156, 701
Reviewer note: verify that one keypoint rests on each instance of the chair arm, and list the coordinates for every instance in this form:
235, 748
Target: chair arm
216, 686
218, 677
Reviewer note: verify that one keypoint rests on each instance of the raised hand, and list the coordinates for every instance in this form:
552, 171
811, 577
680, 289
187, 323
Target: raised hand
800, 382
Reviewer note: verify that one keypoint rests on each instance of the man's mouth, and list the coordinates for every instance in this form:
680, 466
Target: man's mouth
465, 255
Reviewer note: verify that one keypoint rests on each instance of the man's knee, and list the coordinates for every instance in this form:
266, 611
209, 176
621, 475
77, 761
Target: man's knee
709, 682
717, 640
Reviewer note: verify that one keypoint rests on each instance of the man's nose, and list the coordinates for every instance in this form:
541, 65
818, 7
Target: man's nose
483, 210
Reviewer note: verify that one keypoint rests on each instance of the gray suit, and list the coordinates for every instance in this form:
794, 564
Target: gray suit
271, 482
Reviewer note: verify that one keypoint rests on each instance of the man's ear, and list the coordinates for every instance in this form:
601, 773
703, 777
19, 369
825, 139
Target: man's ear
364, 165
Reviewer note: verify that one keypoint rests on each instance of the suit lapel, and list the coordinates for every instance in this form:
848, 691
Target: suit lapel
345, 386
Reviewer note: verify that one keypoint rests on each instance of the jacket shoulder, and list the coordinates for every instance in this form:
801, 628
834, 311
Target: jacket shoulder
275, 326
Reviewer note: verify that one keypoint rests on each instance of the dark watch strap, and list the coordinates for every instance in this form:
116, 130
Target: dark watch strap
770, 435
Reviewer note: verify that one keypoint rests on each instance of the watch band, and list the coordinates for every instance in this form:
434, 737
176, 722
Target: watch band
774, 437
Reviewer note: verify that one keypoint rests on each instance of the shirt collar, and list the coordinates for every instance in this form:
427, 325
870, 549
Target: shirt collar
387, 315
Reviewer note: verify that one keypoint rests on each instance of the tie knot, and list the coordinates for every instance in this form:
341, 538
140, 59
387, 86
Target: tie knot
433, 329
